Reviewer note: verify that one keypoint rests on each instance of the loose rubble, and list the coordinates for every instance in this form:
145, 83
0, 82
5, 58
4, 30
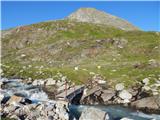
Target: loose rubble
57, 110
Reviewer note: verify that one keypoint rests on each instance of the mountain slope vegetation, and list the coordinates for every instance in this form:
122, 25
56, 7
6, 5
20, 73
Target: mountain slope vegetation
79, 50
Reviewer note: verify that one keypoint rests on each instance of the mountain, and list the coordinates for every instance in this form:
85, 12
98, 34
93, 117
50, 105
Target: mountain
44, 49
91, 15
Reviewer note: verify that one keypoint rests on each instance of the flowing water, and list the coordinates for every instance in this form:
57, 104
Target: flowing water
35, 93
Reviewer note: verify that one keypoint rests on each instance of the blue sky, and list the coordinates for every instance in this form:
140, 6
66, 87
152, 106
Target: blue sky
144, 15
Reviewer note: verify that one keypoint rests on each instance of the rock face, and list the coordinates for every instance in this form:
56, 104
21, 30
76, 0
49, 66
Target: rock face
147, 104
92, 15
93, 114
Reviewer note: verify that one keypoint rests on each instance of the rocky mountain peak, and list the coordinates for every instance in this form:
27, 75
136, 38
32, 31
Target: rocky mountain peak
93, 15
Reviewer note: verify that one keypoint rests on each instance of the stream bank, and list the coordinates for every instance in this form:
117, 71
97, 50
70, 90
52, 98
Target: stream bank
19, 100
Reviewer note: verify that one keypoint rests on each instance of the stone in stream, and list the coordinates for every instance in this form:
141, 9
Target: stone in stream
119, 87
93, 114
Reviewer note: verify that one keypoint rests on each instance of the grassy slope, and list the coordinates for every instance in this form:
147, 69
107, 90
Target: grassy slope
59, 46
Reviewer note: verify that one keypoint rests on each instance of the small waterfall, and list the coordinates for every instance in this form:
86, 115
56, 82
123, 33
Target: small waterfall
14, 86
40, 95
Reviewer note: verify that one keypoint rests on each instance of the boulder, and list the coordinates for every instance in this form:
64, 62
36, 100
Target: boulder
151, 103
119, 87
124, 94
93, 114
107, 95
14, 99
50, 81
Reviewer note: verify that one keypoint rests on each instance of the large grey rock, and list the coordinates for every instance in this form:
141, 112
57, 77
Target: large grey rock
124, 94
148, 102
107, 95
93, 114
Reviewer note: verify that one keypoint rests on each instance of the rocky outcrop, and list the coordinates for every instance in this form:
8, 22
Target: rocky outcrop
148, 104
93, 114
92, 15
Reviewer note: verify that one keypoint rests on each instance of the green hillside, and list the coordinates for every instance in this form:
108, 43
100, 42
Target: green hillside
44, 49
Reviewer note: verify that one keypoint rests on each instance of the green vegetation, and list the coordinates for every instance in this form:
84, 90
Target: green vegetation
7, 118
42, 50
